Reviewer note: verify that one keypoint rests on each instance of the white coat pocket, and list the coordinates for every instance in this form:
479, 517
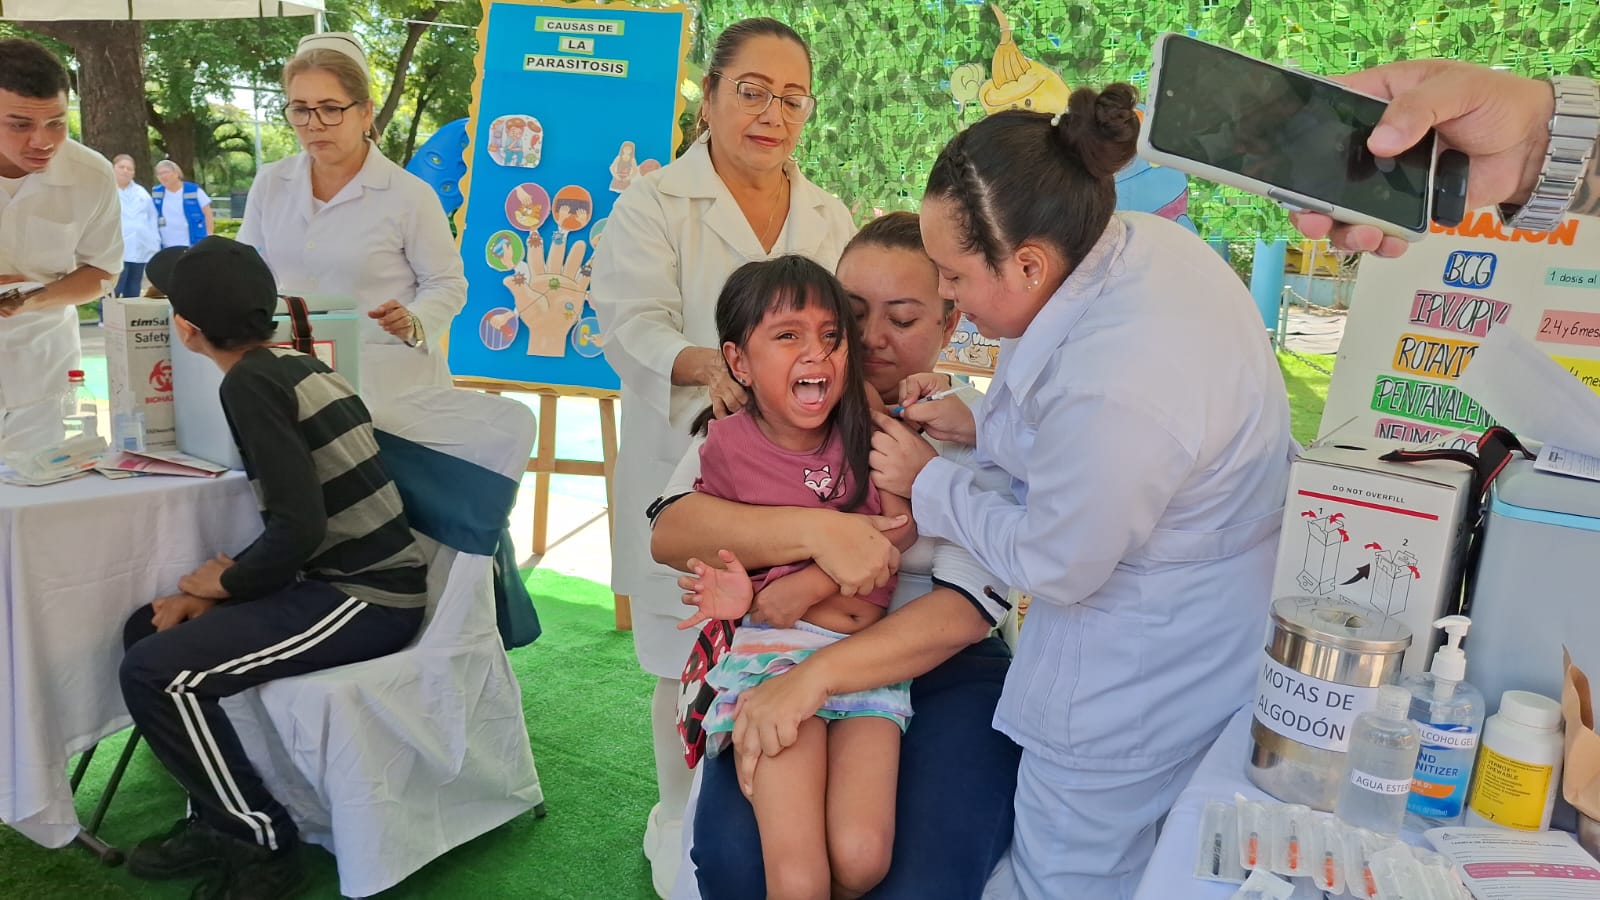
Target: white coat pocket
48, 249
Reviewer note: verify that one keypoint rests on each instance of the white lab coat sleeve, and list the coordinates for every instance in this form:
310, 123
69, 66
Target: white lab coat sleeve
637, 297
101, 242
152, 223
1100, 474
251, 230
687, 472
957, 570
441, 280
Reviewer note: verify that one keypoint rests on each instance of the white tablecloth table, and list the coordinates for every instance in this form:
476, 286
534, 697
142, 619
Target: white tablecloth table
78, 559
1220, 776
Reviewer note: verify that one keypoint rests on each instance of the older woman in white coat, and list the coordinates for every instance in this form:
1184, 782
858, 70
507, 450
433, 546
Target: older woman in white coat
341, 219
1142, 419
673, 238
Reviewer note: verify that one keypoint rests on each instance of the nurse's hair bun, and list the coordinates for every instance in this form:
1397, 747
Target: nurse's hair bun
1101, 128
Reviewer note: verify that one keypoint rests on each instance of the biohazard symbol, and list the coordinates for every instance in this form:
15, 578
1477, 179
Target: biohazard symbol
161, 376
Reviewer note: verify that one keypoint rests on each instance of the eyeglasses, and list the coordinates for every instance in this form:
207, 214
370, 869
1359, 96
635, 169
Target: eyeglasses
753, 99
327, 114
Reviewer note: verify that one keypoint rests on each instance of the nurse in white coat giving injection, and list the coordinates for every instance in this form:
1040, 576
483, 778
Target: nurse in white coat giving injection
1142, 419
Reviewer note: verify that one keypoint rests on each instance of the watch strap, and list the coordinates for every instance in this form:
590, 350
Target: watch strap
1574, 128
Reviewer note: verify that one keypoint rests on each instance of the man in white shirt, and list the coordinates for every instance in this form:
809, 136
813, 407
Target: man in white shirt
60, 241
141, 237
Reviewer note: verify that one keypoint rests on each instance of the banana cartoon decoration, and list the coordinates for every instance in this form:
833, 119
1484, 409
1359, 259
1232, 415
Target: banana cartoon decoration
1017, 82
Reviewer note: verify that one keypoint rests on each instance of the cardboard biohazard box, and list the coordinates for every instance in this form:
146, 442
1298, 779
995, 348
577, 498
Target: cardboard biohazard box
202, 428
1385, 536
139, 369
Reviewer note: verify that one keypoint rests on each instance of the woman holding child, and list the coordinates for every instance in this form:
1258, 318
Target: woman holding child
673, 238
952, 766
1141, 421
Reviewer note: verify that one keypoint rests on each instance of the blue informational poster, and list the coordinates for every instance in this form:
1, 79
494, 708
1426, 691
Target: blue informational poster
572, 102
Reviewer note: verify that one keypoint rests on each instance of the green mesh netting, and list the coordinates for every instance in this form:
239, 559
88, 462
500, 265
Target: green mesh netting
883, 67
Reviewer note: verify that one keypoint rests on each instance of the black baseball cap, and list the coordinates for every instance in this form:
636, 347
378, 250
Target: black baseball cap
221, 286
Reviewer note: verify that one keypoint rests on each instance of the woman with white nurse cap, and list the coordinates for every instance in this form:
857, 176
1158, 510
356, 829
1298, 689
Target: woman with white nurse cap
340, 219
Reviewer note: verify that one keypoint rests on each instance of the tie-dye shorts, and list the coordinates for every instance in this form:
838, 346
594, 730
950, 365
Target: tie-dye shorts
760, 652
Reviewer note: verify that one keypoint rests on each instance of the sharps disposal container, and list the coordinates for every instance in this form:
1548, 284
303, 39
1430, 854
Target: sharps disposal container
1323, 664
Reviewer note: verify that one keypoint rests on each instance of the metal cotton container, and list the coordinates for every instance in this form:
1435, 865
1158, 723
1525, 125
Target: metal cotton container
1323, 664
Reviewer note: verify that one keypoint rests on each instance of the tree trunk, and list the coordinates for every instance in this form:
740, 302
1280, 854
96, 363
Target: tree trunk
416, 123
110, 86
178, 137
415, 29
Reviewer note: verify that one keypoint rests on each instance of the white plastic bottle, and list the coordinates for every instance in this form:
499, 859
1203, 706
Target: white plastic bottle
1449, 714
78, 413
1519, 768
1379, 765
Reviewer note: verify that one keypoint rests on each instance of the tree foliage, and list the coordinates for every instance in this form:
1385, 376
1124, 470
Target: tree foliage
883, 68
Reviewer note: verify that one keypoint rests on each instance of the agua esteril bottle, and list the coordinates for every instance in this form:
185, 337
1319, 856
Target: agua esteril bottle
1379, 765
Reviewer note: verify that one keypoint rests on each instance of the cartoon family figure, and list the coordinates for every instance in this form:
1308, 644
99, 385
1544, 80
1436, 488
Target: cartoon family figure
623, 168
516, 141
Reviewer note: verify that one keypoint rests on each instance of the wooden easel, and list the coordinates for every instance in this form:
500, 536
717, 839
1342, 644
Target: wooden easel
544, 462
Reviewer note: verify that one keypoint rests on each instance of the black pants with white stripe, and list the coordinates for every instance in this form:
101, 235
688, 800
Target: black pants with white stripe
172, 682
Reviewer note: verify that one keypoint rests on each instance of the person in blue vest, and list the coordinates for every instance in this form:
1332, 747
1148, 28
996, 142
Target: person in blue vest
183, 223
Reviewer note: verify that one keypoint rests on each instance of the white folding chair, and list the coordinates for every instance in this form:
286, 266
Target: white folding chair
391, 762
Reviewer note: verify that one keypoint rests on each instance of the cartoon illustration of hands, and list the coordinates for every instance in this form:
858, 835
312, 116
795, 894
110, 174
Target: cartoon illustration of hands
548, 297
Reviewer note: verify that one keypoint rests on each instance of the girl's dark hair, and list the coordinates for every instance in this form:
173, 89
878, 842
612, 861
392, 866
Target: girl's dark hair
895, 231
790, 283
1014, 176
730, 42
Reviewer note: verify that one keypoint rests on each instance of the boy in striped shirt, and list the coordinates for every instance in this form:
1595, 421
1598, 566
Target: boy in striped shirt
334, 578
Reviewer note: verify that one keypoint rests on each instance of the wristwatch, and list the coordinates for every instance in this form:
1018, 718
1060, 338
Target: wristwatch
418, 338
1573, 131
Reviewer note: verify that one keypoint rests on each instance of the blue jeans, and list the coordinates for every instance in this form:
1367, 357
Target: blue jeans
953, 810
131, 280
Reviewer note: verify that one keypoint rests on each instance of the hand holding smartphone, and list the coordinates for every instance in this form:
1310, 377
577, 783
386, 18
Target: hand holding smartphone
1294, 138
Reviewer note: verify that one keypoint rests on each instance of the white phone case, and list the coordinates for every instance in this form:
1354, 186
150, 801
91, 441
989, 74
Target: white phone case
1281, 195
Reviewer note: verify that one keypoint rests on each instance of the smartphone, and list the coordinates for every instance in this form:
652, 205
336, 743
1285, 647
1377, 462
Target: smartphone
1294, 138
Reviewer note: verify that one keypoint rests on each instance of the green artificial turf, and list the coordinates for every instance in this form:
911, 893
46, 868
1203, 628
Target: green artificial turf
588, 707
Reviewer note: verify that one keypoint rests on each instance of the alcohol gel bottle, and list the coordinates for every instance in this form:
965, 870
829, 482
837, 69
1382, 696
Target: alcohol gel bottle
1449, 714
1383, 753
78, 412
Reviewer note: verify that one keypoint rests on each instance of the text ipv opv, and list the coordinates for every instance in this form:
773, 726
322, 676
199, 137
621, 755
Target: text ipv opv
1418, 354
1569, 326
1461, 313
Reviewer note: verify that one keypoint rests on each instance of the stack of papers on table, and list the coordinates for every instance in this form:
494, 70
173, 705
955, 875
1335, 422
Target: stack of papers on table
11, 476
1496, 864
130, 463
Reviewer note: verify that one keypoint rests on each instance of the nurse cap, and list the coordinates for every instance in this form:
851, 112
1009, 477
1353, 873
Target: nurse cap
337, 41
